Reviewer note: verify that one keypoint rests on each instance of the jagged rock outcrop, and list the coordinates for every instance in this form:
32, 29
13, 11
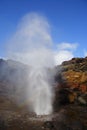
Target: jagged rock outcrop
75, 73
72, 81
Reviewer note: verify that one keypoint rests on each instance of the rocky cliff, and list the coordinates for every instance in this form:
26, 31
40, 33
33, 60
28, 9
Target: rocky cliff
73, 77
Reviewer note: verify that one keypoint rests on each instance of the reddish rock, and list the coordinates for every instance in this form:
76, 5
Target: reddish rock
75, 73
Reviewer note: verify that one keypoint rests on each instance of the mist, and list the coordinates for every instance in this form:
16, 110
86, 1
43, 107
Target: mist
32, 44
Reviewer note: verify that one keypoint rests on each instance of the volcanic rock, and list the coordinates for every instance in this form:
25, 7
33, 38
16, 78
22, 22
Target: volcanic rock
70, 103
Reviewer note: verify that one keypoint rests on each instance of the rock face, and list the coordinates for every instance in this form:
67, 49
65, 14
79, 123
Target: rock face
70, 104
71, 91
75, 72
73, 80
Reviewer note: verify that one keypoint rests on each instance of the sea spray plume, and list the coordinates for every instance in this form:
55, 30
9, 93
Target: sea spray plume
33, 32
32, 44
42, 91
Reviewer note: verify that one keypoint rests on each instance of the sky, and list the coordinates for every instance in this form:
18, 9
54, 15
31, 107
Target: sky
67, 20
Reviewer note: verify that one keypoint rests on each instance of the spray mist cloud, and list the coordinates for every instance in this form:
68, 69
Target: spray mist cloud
31, 44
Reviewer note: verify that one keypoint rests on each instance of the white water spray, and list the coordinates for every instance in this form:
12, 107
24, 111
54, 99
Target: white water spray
31, 44
42, 91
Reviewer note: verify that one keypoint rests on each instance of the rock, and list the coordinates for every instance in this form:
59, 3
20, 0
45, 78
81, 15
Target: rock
74, 74
49, 124
72, 97
81, 100
70, 103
